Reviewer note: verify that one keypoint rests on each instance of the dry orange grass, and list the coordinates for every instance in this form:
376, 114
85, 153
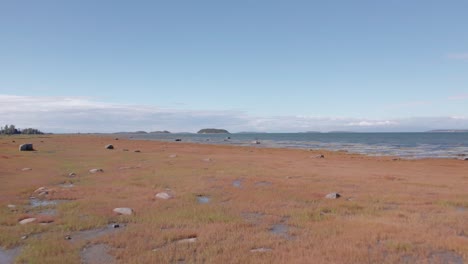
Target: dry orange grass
391, 211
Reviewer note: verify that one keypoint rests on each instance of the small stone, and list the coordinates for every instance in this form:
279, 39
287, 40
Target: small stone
163, 195
321, 156
124, 149
71, 174
68, 237
96, 170
173, 156
138, 151
109, 146
116, 138
26, 169
333, 196
11, 206
465, 159
27, 221
187, 240
255, 142
261, 250
24, 237
123, 211
115, 225
207, 159
40, 190
178, 139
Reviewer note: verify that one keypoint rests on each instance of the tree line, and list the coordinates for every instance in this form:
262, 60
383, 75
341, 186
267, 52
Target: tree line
12, 130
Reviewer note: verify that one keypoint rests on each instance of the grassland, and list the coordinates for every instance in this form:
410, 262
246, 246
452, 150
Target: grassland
265, 205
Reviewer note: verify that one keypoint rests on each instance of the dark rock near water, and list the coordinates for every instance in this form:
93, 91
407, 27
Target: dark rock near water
178, 139
26, 147
109, 146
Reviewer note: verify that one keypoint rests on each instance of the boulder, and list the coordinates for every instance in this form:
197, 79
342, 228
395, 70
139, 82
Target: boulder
96, 170
163, 195
27, 221
333, 195
178, 139
123, 211
110, 146
26, 147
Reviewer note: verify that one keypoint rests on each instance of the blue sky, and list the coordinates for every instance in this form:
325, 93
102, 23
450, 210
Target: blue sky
244, 65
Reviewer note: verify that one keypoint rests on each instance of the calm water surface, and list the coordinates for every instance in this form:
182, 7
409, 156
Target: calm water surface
405, 145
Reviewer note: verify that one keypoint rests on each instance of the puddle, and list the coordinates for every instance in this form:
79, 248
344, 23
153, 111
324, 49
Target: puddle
253, 218
91, 234
237, 183
37, 203
263, 183
97, 254
203, 199
445, 256
280, 230
9, 255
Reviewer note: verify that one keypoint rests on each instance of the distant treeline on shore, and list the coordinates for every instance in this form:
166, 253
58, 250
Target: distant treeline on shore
12, 130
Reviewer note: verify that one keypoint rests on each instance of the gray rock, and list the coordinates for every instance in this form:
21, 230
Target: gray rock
109, 146
26, 169
255, 142
333, 196
123, 210
178, 139
26, 147
71, 174
96, 170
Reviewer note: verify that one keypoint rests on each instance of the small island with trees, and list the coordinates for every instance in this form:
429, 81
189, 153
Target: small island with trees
12, 130
213, 131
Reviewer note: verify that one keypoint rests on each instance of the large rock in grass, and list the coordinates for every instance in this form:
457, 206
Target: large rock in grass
333, 195
123, 211
26, 147
27, 221
163, 195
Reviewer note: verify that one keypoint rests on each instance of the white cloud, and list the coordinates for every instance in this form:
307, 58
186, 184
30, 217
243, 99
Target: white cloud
373, 123
458, 56
84, 114
459, 97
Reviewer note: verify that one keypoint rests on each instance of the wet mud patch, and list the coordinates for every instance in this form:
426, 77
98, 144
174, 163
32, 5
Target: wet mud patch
90, 234
97, 254
263, 184
9, 255
237, 183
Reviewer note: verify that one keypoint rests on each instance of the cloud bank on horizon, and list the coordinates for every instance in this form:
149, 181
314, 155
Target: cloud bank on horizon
84, 114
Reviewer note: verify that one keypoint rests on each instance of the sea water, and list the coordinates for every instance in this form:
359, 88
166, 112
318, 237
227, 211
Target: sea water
404, 145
